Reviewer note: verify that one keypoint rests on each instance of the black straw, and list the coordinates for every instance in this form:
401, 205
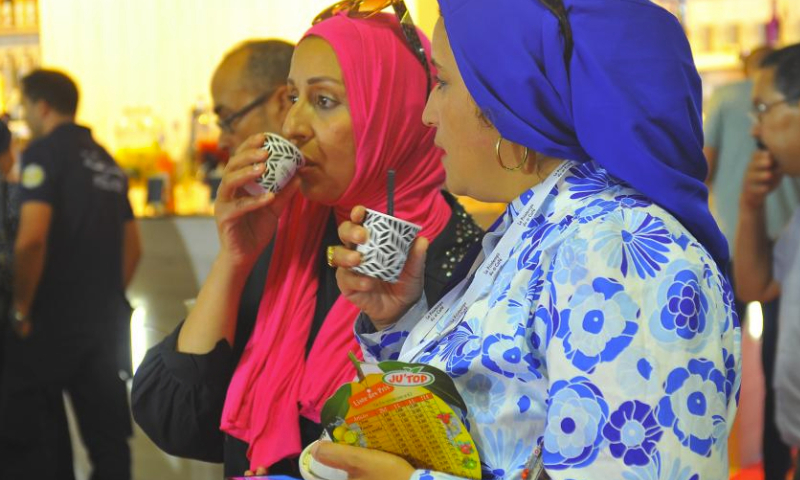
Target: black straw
390, 193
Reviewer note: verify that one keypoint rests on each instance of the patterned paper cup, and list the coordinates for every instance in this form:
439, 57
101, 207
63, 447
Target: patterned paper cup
386, 250
284, 160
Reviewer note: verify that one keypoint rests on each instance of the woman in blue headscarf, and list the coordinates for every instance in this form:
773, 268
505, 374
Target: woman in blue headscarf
596, 323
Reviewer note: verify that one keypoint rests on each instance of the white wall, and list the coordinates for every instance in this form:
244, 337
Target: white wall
158, 53
161, 53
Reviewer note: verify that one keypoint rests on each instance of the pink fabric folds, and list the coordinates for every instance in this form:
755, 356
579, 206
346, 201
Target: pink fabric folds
274, 383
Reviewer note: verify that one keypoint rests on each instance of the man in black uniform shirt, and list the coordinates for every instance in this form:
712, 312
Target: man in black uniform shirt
76, 249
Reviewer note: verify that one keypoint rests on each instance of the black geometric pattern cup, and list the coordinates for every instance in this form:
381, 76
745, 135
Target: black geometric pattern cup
284, 160
386, 250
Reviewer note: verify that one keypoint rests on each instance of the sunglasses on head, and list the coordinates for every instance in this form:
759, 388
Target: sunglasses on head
368, 8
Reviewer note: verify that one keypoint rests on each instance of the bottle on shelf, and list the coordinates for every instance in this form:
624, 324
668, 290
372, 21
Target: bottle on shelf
772, 30
10, 94
192, 192
31, 13
18, 9
139, 138
19, 14
7, 14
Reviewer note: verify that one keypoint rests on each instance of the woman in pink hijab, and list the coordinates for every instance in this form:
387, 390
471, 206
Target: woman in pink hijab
358, 92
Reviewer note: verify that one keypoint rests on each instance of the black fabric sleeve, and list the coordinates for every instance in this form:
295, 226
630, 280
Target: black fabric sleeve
177, 398
39, 175
127, 209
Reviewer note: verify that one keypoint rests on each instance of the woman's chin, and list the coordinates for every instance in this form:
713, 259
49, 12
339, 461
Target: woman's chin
455, 187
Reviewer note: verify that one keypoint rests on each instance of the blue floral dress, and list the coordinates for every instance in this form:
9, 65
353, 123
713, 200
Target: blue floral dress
609, 338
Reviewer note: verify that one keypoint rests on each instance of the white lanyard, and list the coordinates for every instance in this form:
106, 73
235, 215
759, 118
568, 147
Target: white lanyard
483, 272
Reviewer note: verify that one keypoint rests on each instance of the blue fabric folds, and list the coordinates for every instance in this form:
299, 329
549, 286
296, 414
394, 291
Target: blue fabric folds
631, 99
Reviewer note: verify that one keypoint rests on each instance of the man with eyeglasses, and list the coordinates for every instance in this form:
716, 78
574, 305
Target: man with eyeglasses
729, 148
763, 271
249, 93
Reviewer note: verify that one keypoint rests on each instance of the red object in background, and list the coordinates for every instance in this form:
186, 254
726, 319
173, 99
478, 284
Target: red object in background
165, 164
208, 152
755, 472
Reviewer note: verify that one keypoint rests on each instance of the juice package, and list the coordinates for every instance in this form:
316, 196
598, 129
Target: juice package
408, 410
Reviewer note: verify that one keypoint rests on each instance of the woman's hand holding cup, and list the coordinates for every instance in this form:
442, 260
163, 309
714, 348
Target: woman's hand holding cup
382, 301
246, 223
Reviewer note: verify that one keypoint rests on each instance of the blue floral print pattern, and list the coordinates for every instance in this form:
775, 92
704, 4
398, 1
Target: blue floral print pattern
463, 345
576, 416
695, 406
589, 181
686, 308
634, 237
609, 339
485, 393
504, 356
633, 433
599, 324
504, 453
570, 264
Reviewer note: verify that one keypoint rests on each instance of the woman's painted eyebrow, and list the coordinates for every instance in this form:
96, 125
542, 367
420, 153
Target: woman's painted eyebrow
315, 80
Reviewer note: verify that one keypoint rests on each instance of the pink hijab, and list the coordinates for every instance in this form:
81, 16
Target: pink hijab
274, 383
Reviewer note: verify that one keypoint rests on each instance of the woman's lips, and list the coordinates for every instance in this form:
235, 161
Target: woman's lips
308, 165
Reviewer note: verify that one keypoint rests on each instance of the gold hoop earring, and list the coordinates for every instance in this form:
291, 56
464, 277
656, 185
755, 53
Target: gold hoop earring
500, 159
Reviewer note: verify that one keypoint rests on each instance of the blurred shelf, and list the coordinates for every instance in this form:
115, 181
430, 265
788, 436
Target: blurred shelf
22, 32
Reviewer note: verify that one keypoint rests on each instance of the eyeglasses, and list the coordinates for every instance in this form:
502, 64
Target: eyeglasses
760, 109
226, 124
368, 8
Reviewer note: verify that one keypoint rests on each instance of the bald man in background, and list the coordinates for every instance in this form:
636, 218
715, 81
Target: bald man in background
249, 91
250, 96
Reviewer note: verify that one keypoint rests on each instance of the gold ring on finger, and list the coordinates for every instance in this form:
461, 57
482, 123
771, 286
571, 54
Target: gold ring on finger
329, 254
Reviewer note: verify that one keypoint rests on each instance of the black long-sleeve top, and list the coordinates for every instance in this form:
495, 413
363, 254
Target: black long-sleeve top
177, 398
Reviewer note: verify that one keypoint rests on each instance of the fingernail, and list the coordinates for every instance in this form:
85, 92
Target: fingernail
258, 166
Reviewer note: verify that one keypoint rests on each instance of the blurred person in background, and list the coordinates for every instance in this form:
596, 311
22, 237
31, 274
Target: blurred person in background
76, 250
729, 147
249, 91
9, 219
763, 269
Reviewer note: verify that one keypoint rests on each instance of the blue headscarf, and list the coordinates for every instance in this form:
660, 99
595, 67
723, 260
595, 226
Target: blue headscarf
631, 99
